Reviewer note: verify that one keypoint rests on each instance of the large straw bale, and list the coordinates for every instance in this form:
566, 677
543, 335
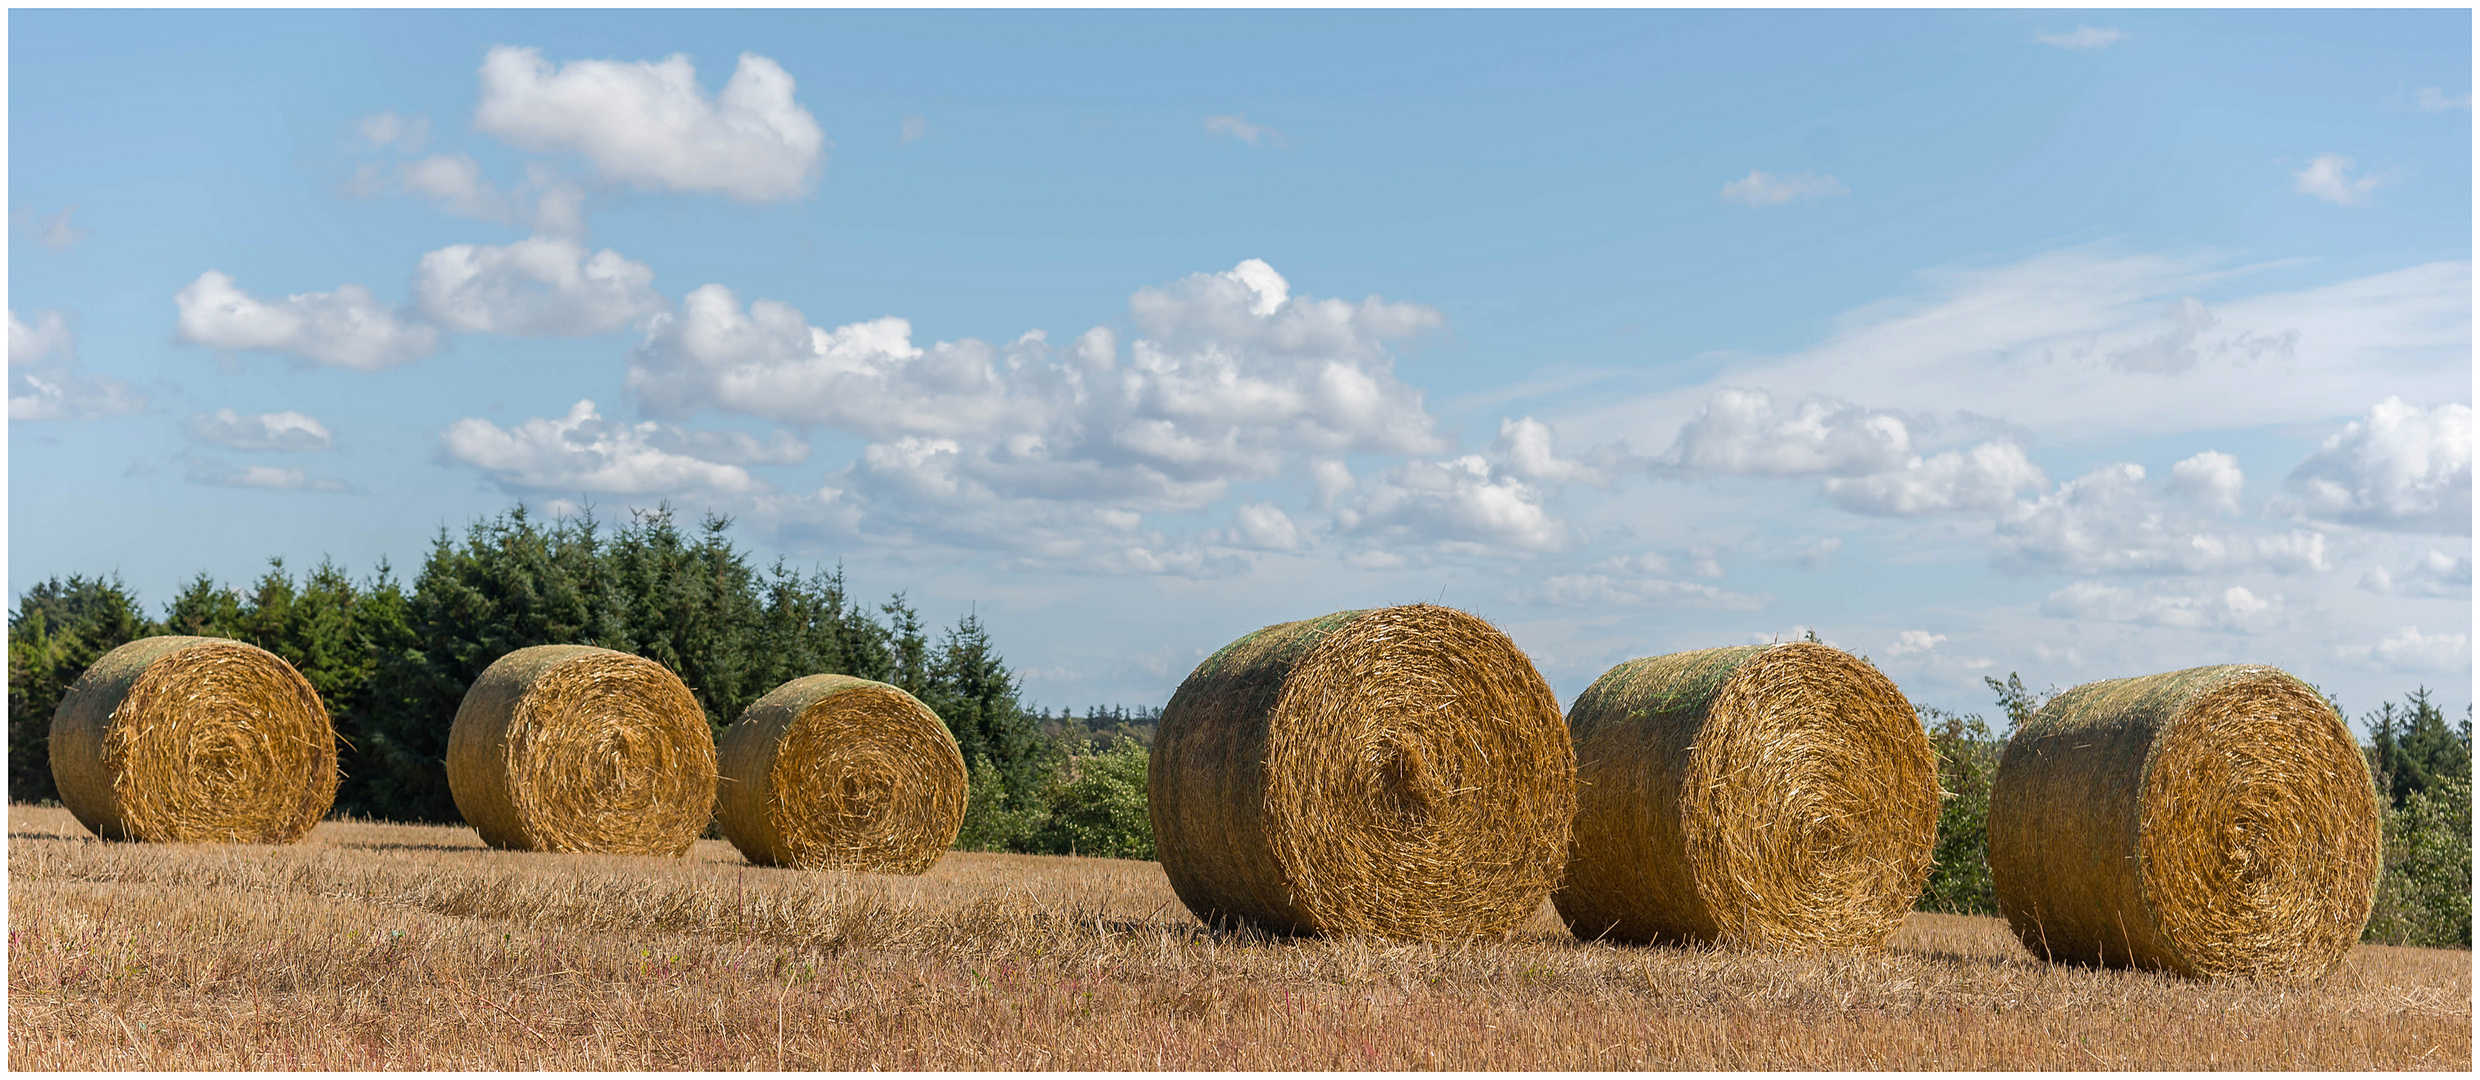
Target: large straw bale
831, 772
194, 739
2210, 822
575, 748
1764, 796
1399, 772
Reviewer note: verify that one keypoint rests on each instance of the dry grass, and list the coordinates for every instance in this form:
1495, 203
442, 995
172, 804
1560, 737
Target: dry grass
387, 946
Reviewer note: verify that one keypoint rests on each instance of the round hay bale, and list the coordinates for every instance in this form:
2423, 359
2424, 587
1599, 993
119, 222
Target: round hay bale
1400, 772
2210, 822
831, 772
575, 748
194, 739
1762, 796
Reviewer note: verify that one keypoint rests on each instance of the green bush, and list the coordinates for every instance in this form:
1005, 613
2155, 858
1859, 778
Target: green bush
1967, 761
1097, 806
2425, 896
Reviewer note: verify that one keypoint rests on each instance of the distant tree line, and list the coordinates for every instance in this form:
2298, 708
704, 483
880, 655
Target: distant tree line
2420, 765
392, 663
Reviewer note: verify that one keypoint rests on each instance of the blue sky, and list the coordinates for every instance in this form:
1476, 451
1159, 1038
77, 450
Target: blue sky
2075, 344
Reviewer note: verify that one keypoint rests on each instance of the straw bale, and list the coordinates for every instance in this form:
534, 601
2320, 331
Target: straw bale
2211, 822
1780, 797
575, 748
832, 772
1399, 772
194, 739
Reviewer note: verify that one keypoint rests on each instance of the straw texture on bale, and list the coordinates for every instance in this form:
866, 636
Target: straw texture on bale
194, 739
831, 772
575, 748
1763, 796
1400, 772
2211, 822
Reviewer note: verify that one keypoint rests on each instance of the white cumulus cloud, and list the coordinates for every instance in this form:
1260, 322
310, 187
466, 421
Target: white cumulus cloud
1983, 477
2400, 467
44, 382
583, 452
2210, 481
2409, 650
1866, 455
347, 328
1911, 642
1265, 525
48, 338
650, 124
1230, 378
1529, 448
1761, 188
1460, 504
2108, 521
2433, 574
1741, 432
2233, 610
537, 286
285, 431
2329, 178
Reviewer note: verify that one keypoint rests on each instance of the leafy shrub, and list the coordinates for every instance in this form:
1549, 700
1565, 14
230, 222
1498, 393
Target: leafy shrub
2425, 896
1967, 762
1098, 806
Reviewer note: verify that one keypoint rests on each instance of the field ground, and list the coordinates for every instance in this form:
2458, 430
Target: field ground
374, 946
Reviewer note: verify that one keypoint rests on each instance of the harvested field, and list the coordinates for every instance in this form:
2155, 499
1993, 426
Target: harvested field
370, 946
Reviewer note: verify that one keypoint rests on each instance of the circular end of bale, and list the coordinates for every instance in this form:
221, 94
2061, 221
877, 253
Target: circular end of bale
1781, 796
1402, 773
577, 748
194, 739
2212, 822
832, 772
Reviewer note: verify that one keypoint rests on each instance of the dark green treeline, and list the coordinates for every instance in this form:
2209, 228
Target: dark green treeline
393, 663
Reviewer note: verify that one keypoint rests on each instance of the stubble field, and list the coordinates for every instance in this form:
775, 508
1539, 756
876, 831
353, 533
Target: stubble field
377, 946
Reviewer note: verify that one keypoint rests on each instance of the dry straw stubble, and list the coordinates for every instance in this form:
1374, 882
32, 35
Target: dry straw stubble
1774, 796
194, 739
577, 748
832, 772
2211, 822
1400, 772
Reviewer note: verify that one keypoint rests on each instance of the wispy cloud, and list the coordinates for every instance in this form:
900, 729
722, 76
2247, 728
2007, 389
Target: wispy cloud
2433, 99
1237, 126
1761, 188
2082, 37
2329, 178
911, 130
54, 231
